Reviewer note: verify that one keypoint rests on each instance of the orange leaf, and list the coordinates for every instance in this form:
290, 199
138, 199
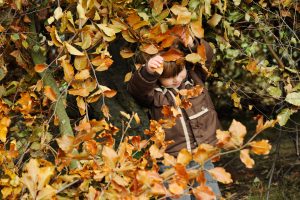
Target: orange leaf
133, 19
81, 105
261, 147
204, 192
66, 143
91, 147
246, 159
252, 67
168, 41
82, 75
184, 157
220, 175
50, 93
176, 189
83, 92
39, 68
172, 55
149, 49
202, 52
201, 178
158, 189
204, 152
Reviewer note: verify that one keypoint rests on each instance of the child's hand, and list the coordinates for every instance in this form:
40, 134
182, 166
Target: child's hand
155, 64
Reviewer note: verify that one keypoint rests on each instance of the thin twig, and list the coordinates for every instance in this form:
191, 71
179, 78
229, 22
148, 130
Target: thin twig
66, 186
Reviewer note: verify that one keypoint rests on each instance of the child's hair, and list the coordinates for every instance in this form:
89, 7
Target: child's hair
172, 68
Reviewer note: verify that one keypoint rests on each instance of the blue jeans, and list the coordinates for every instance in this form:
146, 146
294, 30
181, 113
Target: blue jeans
209, 180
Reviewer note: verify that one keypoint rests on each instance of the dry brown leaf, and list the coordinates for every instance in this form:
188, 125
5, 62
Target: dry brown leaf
220, 175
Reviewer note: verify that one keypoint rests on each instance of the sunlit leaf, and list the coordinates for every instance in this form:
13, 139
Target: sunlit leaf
193, 58
197, 30
293, 98
204, 192
155, 152
72, 50
108, 31
214, 20
246, 159
261, 147
58, 13
184, 157
204, 152
176, 189
220, 175
68, 71
65, 142
82, 75
284, 116
128, 77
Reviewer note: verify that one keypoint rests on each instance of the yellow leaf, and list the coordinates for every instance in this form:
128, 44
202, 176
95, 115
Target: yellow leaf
36, 177
6, 191
49, 93
137, 118
128, 37
236, 100
68, 70
83, 92
108, 31
81, 105
66, 143
81, 62
105, 111
176, 189
2, 29
158, 189
220, 175
197, 30
204, 152
55, 37
260, 147
4, 124
82, 75
128, 77
193, 58
58, 13
238, 132
46, 193
149, 49
214, 20
126, 53
81, 11
110, 157
246, 159
40, 68
184, 157
126, 115
169, 160
155, 152
72, 50
148, 177
157, 7
183, 15
87, 40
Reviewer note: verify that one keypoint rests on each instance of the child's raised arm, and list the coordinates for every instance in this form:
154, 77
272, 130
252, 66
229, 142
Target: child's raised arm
155, 64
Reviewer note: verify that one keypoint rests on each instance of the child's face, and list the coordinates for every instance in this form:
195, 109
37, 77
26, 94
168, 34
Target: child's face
173, 82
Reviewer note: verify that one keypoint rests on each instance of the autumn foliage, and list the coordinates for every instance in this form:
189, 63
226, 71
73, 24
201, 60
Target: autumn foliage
45, 156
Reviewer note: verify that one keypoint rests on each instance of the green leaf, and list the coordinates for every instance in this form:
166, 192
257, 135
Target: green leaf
193, 4
274, 91
293, 98
284, 116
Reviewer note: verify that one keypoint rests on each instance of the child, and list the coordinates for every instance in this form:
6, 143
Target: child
157, 83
